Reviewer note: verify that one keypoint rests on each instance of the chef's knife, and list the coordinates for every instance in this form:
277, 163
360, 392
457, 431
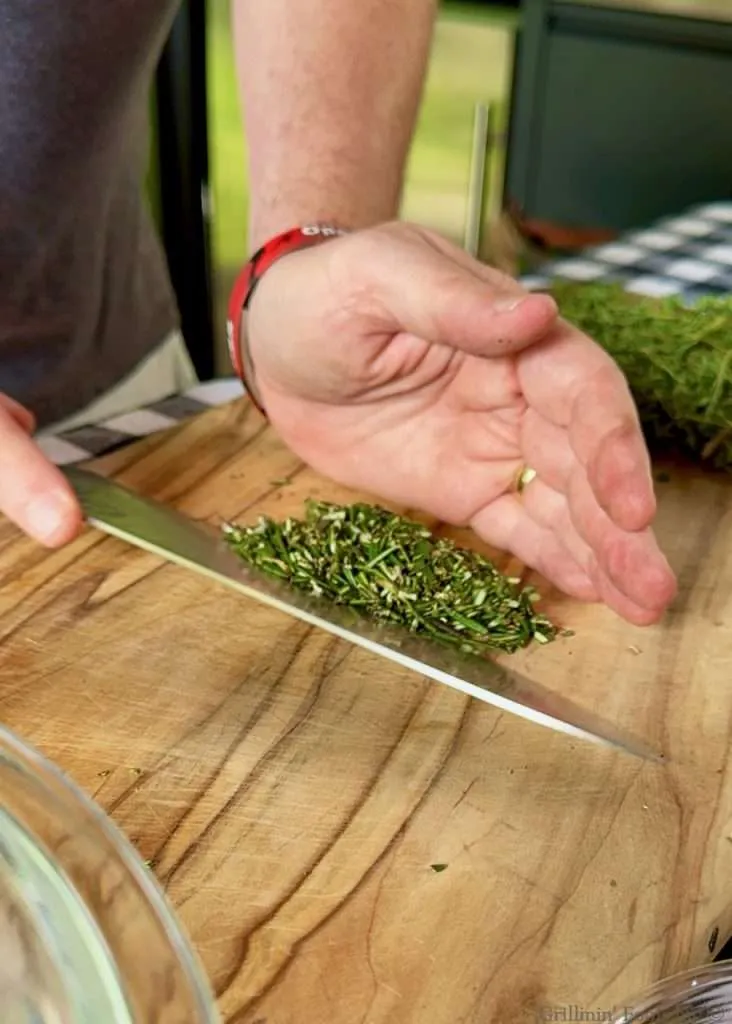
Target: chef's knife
164, 531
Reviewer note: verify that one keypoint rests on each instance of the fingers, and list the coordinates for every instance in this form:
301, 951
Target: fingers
632, 561
22, 416
605, 433
555, 551
594, 488
628, 570
443, 301
33, 493
571, 382
506, 525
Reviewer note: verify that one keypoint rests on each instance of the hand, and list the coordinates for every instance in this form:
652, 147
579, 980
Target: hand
33, 493
392, 362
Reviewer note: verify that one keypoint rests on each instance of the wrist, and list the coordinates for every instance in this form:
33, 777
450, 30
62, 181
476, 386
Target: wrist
269, 253
261, 233
323, 203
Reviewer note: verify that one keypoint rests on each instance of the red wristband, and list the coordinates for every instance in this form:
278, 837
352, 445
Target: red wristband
246, 282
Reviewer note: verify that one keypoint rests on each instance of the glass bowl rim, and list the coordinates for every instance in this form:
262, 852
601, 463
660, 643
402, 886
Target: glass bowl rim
20, 752
676, 984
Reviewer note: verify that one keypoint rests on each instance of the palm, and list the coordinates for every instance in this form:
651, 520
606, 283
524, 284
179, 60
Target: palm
442, 437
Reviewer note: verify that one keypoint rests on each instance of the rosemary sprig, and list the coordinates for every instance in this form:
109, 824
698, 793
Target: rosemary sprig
392, 569
676, 358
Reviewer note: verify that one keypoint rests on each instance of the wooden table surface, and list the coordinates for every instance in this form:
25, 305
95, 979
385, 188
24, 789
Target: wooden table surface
294, 792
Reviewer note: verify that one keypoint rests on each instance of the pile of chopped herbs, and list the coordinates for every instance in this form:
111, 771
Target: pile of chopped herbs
393, 569
676, 358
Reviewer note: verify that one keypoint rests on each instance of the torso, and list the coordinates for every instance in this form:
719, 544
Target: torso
84, 292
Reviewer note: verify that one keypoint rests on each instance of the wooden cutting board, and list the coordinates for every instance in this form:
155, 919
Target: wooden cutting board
345, 841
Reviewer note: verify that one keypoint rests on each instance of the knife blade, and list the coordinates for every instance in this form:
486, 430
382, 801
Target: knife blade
162, 530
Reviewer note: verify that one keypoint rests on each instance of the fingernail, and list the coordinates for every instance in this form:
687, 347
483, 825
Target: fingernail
45, 516
508, 303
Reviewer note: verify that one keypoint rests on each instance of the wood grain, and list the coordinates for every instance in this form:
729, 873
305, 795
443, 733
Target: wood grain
294, 792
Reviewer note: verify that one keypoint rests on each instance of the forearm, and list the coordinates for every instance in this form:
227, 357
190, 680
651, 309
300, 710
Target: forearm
331, 91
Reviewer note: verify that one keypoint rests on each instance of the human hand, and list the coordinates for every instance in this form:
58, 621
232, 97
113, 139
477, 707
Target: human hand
393, 362
34, 494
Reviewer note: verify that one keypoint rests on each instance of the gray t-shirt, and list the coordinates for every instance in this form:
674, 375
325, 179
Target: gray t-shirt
84, 287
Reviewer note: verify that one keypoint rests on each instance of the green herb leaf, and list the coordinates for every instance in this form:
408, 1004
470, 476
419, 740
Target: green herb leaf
392, 569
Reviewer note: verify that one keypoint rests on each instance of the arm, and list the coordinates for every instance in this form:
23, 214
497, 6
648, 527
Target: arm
331, 91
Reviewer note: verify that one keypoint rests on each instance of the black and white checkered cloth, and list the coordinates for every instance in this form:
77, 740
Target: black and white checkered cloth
98, 439
689, 256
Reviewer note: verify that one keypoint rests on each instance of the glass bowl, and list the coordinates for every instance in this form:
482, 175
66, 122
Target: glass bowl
702, 995
86, 934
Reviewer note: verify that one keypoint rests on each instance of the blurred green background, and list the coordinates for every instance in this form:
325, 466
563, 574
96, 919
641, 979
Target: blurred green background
470, 63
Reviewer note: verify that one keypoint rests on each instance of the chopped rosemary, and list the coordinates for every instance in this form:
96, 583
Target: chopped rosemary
392, 569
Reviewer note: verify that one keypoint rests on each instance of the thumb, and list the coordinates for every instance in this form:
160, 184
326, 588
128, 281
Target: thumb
34, 494
451, 299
